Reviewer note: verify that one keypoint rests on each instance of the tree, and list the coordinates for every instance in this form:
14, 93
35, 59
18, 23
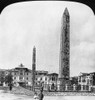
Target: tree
9, 80
2, 78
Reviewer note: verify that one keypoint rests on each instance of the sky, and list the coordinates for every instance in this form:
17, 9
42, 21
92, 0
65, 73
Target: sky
28, 24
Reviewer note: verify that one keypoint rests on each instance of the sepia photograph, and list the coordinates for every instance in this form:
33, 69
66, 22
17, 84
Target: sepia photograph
47, 51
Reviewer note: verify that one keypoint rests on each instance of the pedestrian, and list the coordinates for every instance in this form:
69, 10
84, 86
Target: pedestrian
41, 96
36, 96
10, 87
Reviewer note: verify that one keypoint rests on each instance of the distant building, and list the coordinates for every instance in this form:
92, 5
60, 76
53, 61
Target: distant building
48, 81
74, 80
86, 81
41, 77
21, 75
53, 77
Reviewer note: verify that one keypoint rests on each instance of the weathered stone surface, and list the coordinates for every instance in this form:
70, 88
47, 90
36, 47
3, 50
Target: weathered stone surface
33, 68
65, 46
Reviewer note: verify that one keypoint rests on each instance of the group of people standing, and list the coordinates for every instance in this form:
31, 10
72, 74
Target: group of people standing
39, 96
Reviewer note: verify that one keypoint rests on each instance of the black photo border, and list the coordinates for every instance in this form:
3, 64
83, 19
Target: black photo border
5, 3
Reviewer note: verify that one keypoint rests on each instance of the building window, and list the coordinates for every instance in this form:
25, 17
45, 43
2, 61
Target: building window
15, 73
53, 78
21, 72
41, 78
14, 77
45, 78
79, 79
91, 81
87, 81
83, 80
27, 78
36, 83
21, 78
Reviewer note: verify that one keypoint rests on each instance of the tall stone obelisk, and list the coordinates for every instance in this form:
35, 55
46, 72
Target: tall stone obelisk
64, 63
33, 68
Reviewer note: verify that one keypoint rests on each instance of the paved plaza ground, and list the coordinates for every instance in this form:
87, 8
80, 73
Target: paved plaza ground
18, 94
9, 96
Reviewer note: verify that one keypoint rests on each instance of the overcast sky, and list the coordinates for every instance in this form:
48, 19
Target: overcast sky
23, 25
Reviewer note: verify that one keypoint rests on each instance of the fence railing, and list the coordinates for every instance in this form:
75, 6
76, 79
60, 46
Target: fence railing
62, 88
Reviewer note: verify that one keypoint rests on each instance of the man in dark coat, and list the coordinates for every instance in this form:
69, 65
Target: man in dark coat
10, 86
41, 96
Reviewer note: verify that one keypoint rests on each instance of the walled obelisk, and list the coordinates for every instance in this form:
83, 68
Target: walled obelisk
33, 68
64, 63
